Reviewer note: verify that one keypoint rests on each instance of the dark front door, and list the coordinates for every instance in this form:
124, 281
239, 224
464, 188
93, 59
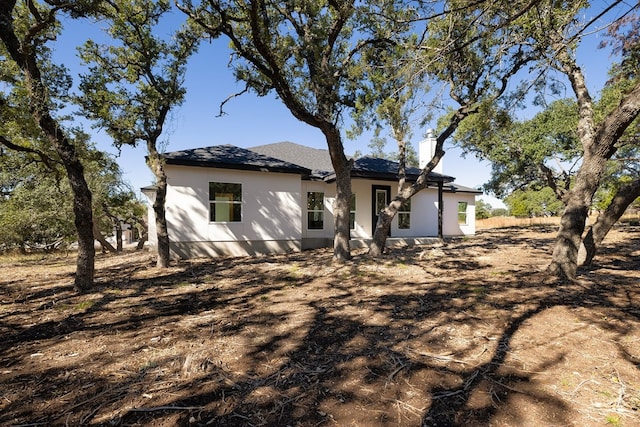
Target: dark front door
381, 196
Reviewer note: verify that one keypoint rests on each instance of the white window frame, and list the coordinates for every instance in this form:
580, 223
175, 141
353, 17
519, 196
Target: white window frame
230, 204
316, 210
463, 216
404, 211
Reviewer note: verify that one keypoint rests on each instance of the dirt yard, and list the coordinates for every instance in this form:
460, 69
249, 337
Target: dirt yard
465, 333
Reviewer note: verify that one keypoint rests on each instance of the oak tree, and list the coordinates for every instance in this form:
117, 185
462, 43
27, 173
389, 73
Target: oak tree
474, 49
308, 53
133, 83
35, 90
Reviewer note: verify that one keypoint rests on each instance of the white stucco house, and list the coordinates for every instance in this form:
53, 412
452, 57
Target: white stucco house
230, 201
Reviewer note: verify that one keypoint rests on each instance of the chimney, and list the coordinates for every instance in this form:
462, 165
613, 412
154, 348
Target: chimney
427, 149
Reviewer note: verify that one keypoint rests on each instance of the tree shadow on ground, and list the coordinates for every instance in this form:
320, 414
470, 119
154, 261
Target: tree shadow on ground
292, 341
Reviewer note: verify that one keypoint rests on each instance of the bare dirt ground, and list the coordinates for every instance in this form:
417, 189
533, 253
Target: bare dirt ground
465, 333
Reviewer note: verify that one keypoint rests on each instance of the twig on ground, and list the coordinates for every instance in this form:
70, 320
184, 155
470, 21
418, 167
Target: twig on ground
444, 358
168, 408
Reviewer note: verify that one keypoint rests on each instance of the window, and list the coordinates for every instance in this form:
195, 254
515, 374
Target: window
225, 202
404, 215
462, 212
315, 210
352, 213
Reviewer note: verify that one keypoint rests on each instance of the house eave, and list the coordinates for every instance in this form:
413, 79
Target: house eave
243, 166
379, 176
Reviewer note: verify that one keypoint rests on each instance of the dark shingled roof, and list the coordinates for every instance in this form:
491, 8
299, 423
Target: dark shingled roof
288, 157
318, 160
232, 157
375, 167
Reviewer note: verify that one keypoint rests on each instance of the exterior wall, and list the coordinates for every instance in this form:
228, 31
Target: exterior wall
362, 189
424, 213
271, 213
274, 213
152, 234
450, 225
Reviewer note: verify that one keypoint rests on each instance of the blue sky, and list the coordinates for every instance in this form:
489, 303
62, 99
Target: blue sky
252, 120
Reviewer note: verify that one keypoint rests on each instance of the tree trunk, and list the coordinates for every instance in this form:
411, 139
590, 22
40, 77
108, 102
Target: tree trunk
157, 166
598, 231
140, 225
341, 248
341, 206
383, 225
385, 216
379, 240
161, 224
565, 252
117, 225
25, 57
85, 262
598, 147
82, 207
100, 238
143, 238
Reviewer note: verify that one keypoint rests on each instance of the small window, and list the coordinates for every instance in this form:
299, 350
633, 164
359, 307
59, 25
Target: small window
225, 202
352, 213
462, 212
404, 215
315, 210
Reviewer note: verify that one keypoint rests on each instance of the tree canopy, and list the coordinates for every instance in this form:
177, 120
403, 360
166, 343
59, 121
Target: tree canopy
310, 54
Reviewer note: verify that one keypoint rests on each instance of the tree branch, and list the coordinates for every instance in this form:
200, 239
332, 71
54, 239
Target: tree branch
44, 158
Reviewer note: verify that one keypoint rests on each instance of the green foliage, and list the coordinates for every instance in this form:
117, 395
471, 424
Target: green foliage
500, 212
533, 203
35, 215
483, 209
36, 202
311, 54
522, 152
378, 147
134, 81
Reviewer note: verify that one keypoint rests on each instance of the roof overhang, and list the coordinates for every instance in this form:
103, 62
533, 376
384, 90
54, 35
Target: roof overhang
247, 167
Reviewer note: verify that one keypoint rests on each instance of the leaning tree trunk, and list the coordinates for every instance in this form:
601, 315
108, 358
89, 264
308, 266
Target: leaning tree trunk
341, 206
83, 217
565, 252
598, 146
385, 216
25, 57
597, 232
157, 166
106, 246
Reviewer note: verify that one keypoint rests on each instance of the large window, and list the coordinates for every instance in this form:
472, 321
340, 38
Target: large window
352, 213
404, 215
462, 212
315, 210
225, 202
